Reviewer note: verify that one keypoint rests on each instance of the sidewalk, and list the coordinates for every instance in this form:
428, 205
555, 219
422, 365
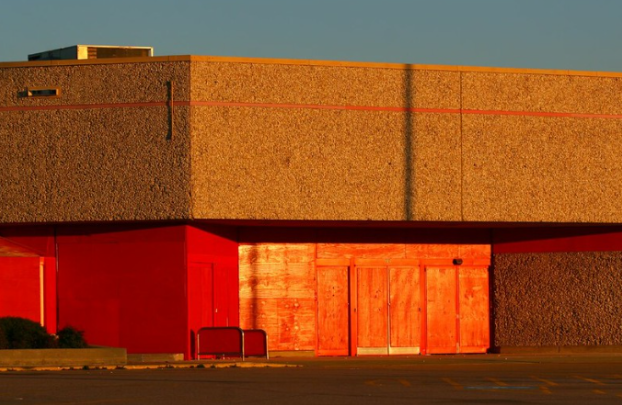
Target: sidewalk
387, 361
362, 362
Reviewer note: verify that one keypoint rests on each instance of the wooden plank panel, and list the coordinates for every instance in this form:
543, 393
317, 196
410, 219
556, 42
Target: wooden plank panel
475, 251
372, 296
332, 311
272, 253
297, 326
441, 310
406, 306
429, 251
474, 316
277, 288
281, 280
360, 250
259, 314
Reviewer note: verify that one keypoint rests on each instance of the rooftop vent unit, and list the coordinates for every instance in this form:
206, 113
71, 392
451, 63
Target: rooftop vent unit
93, 52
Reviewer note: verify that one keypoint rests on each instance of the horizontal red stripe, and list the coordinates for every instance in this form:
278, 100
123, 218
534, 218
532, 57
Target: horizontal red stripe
324, 107
542, 114
311, 106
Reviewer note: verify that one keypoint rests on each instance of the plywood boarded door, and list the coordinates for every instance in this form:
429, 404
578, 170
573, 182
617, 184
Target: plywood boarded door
405, 310
332, 310
442, 326
389, 309
474, 310
373, 310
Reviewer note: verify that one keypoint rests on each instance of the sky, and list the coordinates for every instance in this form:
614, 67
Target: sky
540, 34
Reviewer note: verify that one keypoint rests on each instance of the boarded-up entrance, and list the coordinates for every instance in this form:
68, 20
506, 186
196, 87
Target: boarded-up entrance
442, 324
388, 314
406, 310
332, 311
340, 299
474, 309
372, 310
457, 309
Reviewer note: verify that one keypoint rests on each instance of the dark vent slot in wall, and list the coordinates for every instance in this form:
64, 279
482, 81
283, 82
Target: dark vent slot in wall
42, 92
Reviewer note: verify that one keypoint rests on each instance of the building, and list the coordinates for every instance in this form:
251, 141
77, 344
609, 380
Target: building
345, 208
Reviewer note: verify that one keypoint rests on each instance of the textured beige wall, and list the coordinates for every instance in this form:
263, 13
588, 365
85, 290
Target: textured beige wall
310, 164
303, 163
297, 84
95, 83
94, 164
542, 168
557, 299
437, 161
542, 92
532, 169
324, 164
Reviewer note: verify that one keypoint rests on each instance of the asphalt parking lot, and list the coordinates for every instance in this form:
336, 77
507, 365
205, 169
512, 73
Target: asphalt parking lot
419, 380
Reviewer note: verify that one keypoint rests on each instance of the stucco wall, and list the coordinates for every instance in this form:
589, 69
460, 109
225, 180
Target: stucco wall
303, 142
314, 142
261, 139
553, 161
557, 299
102, 151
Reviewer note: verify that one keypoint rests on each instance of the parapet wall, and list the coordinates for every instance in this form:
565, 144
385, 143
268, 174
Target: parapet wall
320, 142
274, 141
304, 140
108, 149
541, 148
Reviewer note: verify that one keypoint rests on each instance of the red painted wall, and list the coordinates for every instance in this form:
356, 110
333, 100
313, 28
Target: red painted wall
328, 234
37, 239
558, 239
146, 288
19, 274
49, 294
124, 286
213, 292
19, 287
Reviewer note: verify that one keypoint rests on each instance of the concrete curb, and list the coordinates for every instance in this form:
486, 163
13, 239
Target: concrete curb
524, 356
155, 358
62, 358
156, 366
558, 350
209, 365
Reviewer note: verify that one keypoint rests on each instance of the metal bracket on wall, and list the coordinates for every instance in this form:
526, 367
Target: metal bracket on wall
171, 109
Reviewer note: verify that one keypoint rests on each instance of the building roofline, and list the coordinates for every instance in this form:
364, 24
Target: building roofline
308, 62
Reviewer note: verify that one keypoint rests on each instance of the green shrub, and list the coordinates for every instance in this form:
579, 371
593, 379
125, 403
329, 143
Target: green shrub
71, 338
20, 333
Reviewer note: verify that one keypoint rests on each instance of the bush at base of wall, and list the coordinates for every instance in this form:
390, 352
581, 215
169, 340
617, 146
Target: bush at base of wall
20, 333
71, 338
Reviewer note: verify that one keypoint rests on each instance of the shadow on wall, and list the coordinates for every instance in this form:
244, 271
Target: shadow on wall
254, 298
408, 142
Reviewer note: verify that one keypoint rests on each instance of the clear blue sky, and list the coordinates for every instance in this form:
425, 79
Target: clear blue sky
549, 34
